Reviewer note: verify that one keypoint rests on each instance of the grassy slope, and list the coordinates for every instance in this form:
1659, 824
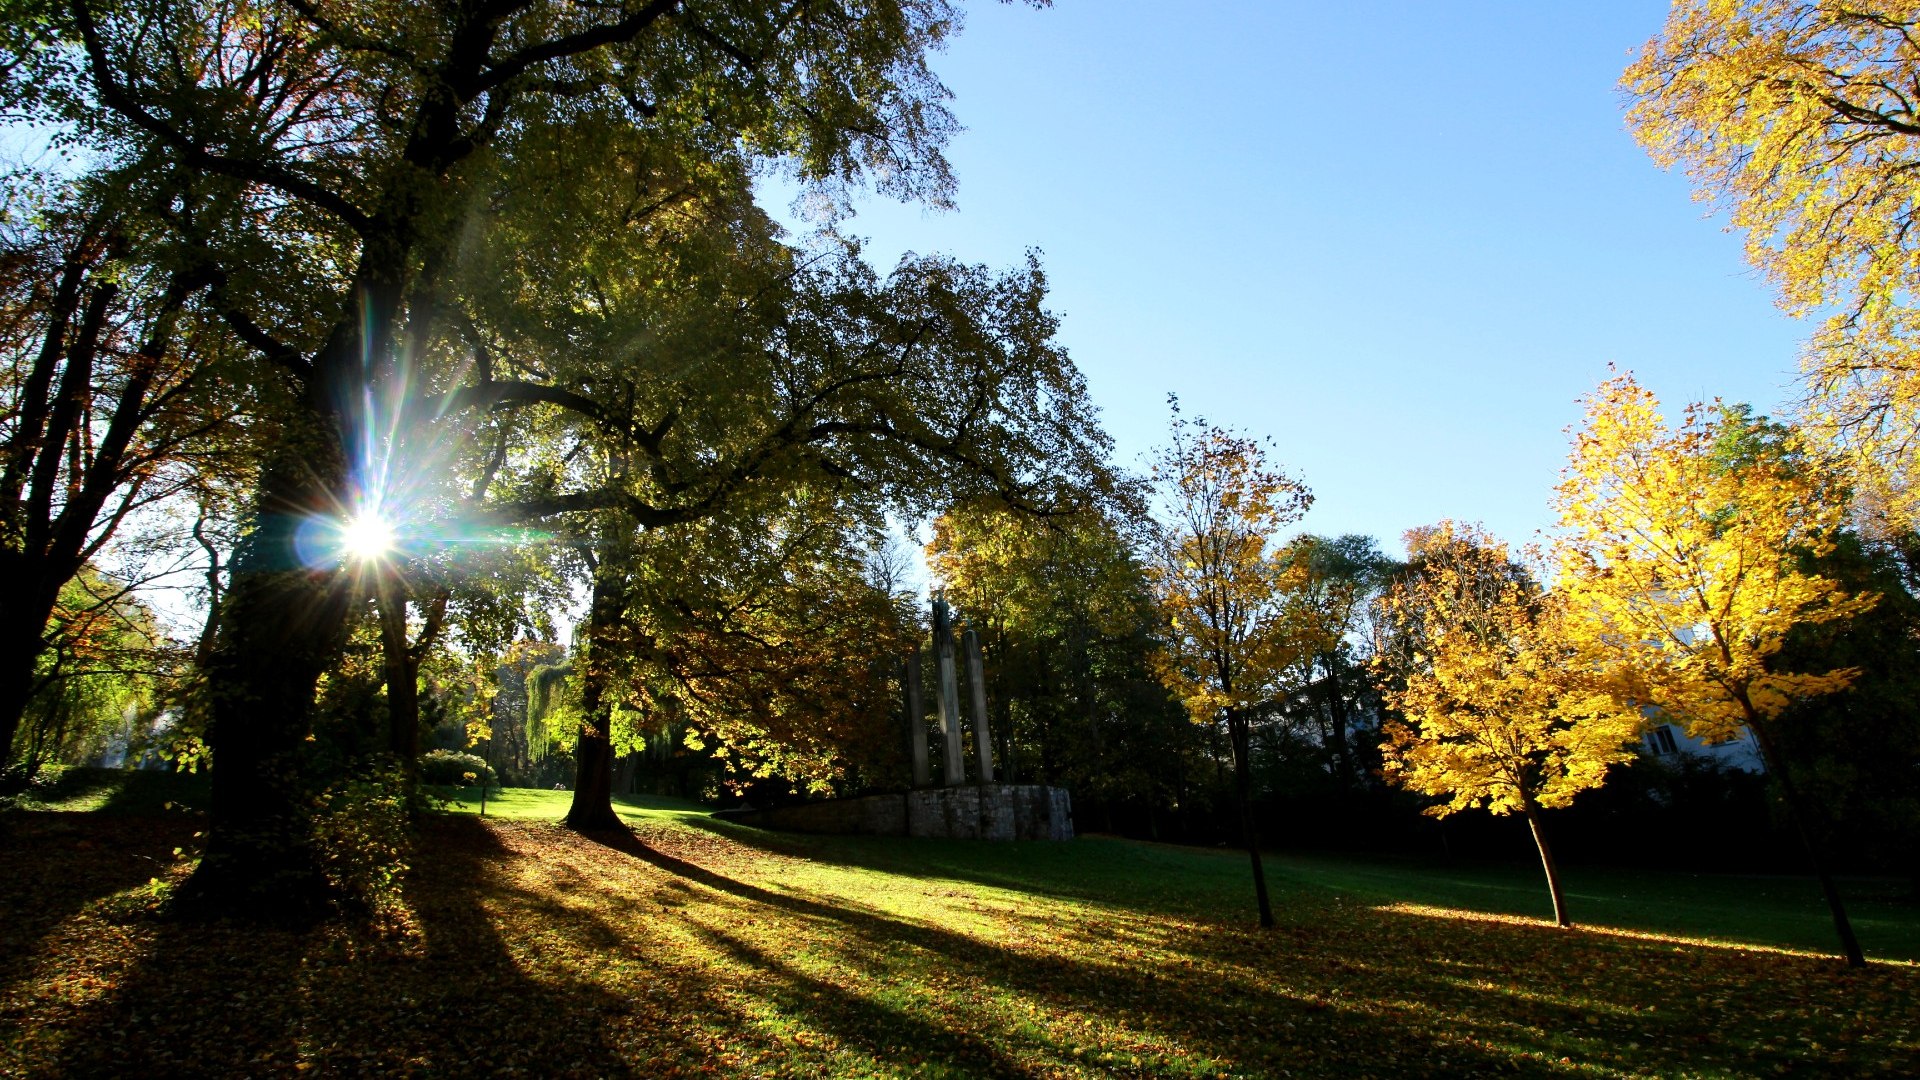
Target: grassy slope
696, 948
1787, 912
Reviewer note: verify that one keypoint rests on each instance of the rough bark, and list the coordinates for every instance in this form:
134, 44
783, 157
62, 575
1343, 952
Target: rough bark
592, 807
281, 627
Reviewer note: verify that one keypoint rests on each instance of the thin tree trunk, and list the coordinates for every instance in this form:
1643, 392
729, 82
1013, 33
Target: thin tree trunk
1219, 758
1243, 785
401, 657
1337, 718
1796, 813
1547, 864
209, 630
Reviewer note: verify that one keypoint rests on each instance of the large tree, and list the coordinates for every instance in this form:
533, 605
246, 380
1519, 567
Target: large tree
1336, 580
1800, 118
341, 171
1221, 587
1683, 551
938, 381
104, 366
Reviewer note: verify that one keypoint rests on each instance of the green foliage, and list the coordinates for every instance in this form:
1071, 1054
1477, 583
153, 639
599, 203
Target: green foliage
450, 768
361, 836
758, 633
1856, 753
1065, 619
500, 266
102, 680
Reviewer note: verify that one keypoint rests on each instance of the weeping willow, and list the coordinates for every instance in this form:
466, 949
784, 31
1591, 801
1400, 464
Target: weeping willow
552, 711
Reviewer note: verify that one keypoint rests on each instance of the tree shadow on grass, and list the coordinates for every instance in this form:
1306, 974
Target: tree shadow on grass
1079, 870
447, 996
1350, 987
879, 1030
58, 864
533, 950
1089, 1014
1632, 1003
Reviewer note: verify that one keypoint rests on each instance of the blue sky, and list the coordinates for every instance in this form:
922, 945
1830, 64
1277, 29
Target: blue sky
1401, 239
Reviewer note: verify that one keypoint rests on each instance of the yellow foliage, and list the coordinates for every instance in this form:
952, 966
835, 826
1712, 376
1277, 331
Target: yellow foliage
1680, 552
1220, 584
1800, 120
1019, 573
1496, 710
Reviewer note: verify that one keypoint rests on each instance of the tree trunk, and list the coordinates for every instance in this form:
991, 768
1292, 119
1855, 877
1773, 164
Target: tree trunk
401, 657
592, 808
48, 536
282, 625
403, 679
1796, 812
1547, 864
20, 646
1337, 720
1243, 787
1219, 757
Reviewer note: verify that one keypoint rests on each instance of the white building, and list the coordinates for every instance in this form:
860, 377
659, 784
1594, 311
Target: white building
1740, 752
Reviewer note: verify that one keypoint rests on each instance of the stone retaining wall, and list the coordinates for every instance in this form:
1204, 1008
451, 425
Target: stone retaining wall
978, 812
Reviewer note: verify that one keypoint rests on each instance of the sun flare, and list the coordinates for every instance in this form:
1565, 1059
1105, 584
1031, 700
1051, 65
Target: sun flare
366, 537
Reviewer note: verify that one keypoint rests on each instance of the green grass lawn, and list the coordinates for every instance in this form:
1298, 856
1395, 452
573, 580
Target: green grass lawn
115, 791
694, 947
1766, 910
535, 804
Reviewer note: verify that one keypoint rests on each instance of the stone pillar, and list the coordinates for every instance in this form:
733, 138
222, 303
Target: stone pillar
916, 718
977, 690
956, 766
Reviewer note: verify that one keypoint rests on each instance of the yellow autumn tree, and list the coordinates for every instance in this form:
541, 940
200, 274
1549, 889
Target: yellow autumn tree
1799, 119
1495, 708
1221, 589
1681, 551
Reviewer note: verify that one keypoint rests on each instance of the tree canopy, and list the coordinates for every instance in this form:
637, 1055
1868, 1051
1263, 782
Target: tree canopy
1497, 708
1799, 118
1684, 551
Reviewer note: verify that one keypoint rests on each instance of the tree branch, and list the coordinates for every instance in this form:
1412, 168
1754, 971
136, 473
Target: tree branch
120, 100
614, 33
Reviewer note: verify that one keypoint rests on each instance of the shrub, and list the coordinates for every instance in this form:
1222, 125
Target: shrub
360, 832
451, 768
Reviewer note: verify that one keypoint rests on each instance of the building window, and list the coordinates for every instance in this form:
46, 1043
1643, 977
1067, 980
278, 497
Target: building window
1660, 739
